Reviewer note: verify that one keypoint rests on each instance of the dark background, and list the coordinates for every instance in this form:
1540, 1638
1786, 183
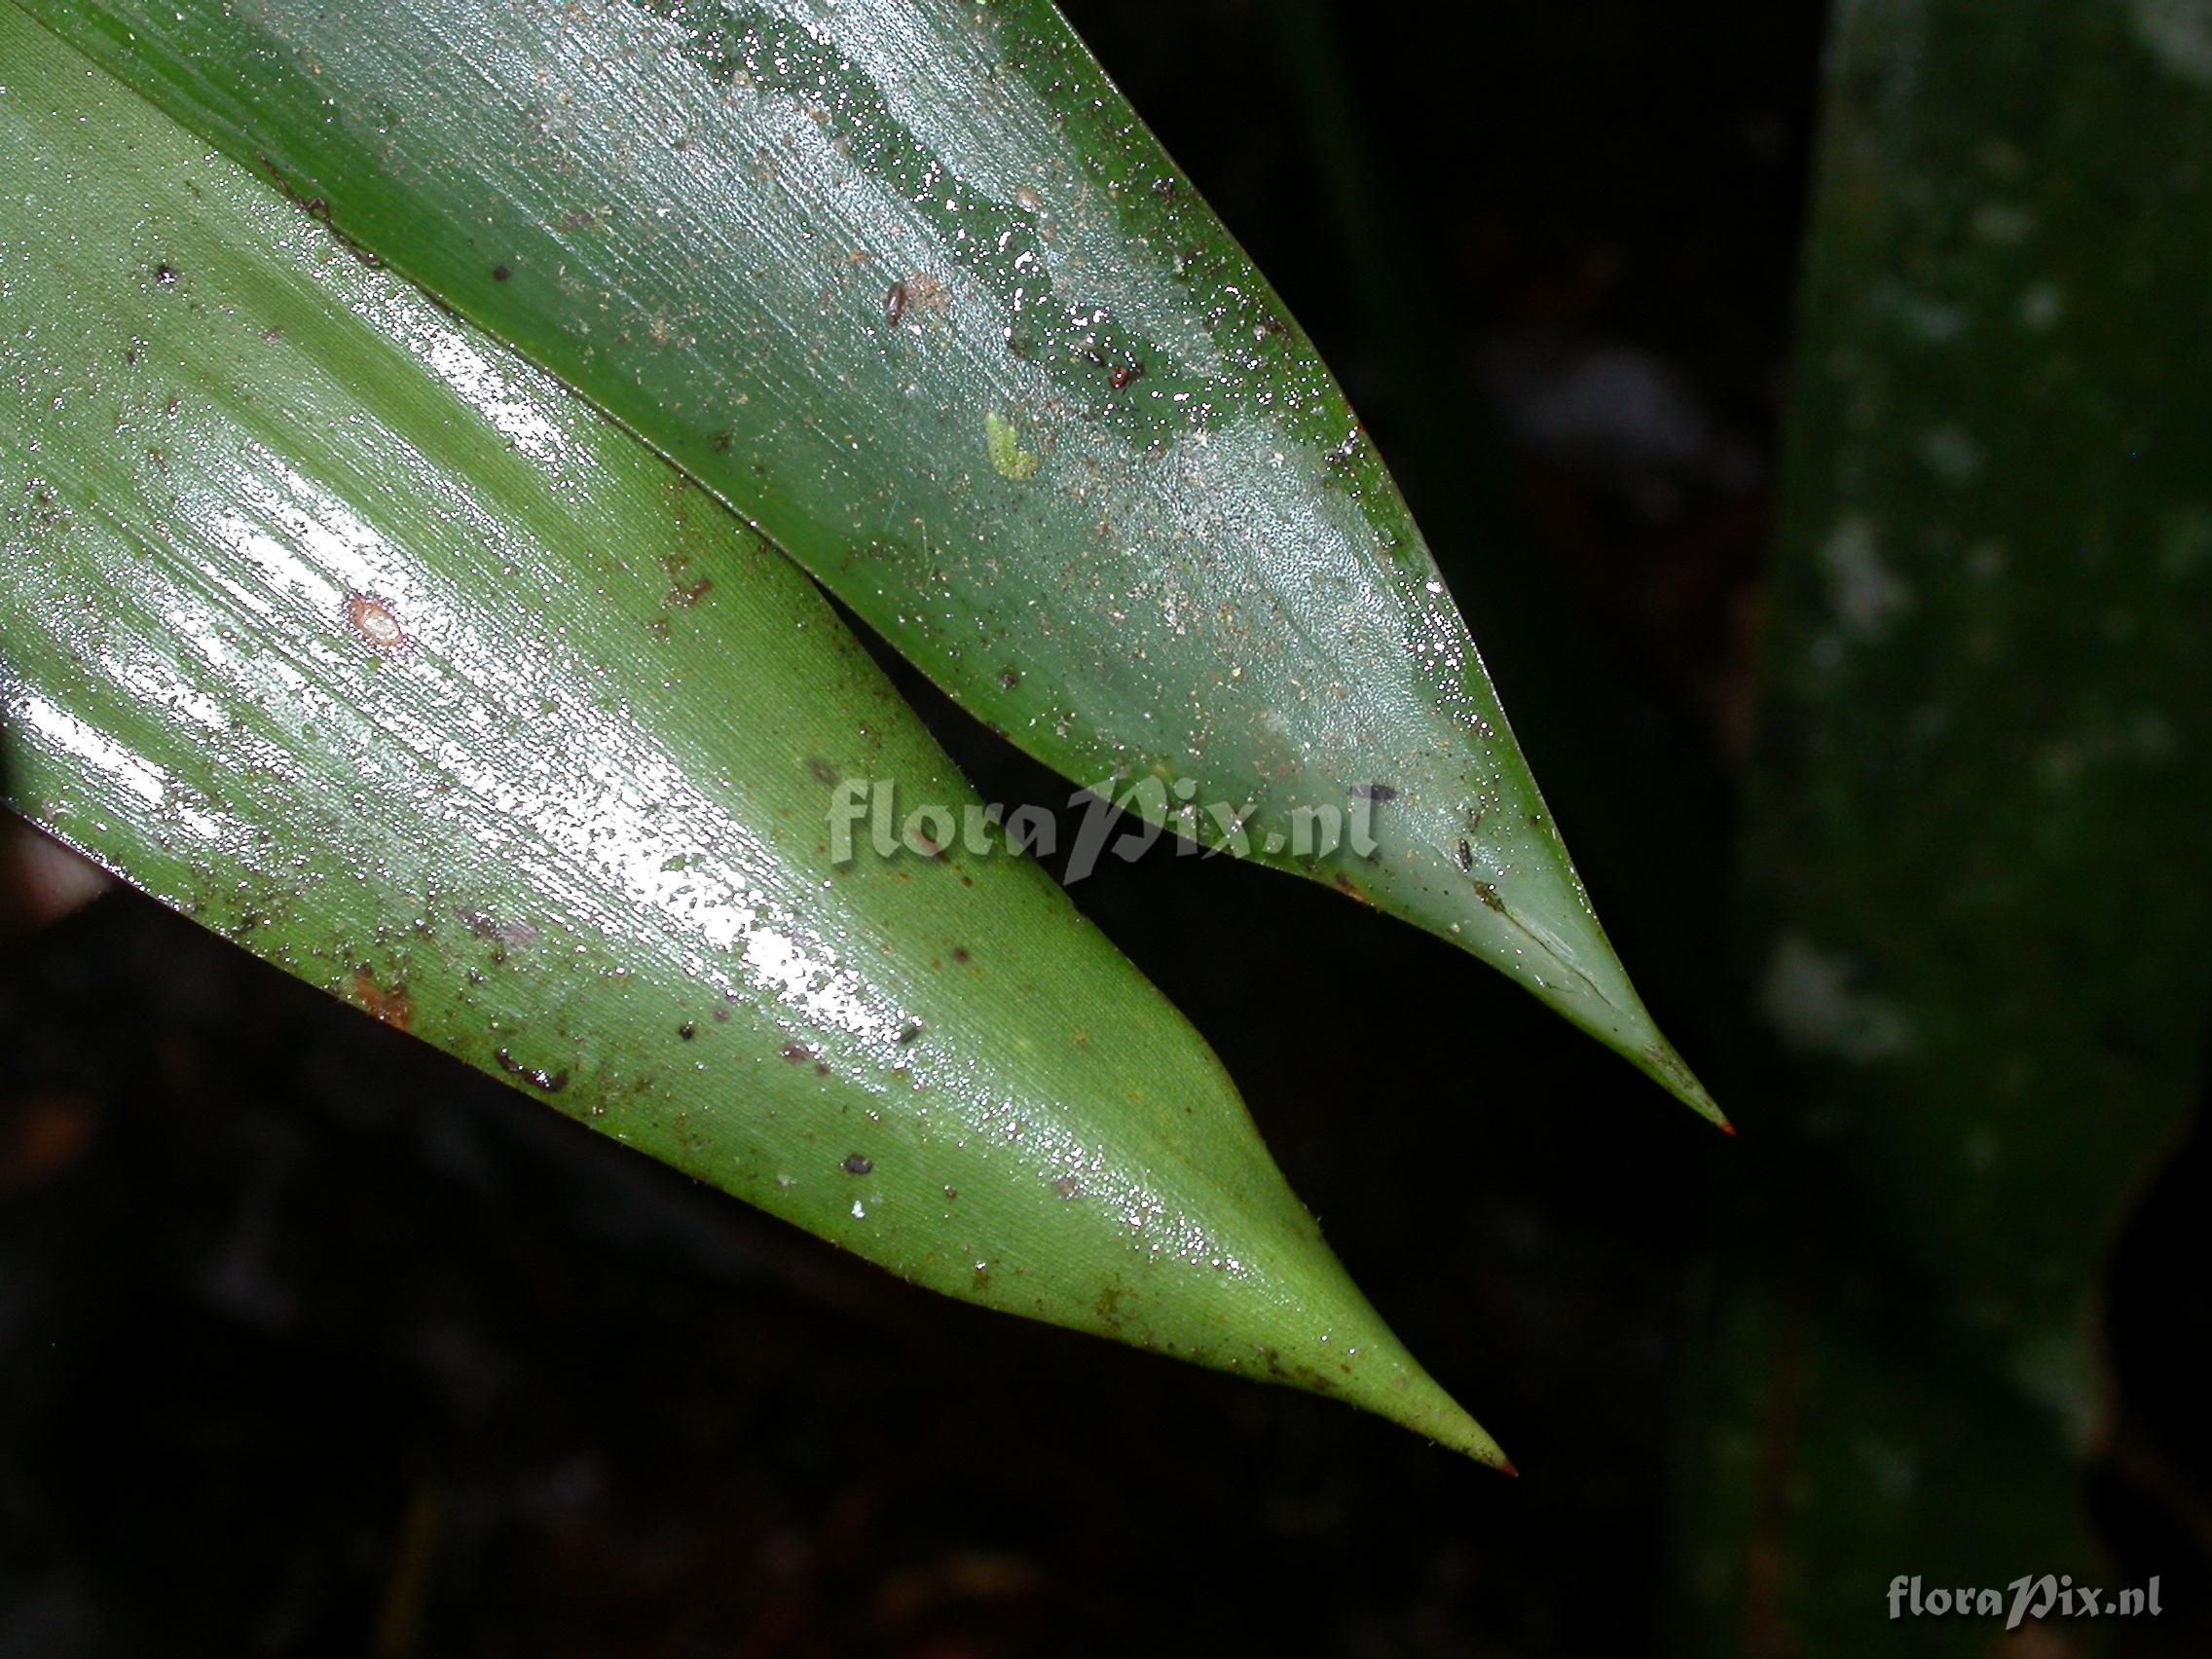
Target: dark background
315, 1343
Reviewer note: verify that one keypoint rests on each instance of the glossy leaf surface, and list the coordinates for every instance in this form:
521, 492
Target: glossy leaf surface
328, 622
907, 285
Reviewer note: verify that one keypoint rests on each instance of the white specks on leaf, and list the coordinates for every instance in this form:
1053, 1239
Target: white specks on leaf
2041, 307
2144, 739
1865, 593
2055, 1371
1950, 453
1938, 322
2178, 33
1810, 999
2003, 225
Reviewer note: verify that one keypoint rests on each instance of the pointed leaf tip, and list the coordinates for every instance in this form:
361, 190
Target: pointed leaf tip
1667, 1068
1428, 1410
707, 981
1407, 1395
1493, 878
1295, 1316
1126, 439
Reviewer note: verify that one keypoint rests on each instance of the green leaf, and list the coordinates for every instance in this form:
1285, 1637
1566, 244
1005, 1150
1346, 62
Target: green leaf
1978, 862
337, 627
911, 287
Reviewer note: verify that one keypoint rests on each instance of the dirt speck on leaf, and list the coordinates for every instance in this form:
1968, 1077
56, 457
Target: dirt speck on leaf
547, 1083
683, 597
389, 1003
374, 622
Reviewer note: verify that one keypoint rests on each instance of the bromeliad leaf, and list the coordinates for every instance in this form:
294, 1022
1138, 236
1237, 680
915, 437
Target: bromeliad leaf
329, 623
1975, 842
907, 285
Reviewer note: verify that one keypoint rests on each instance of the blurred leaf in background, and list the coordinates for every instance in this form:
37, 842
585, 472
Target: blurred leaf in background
1978, 857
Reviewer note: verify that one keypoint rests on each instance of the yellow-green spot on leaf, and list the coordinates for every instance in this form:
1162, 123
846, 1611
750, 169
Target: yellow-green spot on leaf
1008, 457
741, 726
